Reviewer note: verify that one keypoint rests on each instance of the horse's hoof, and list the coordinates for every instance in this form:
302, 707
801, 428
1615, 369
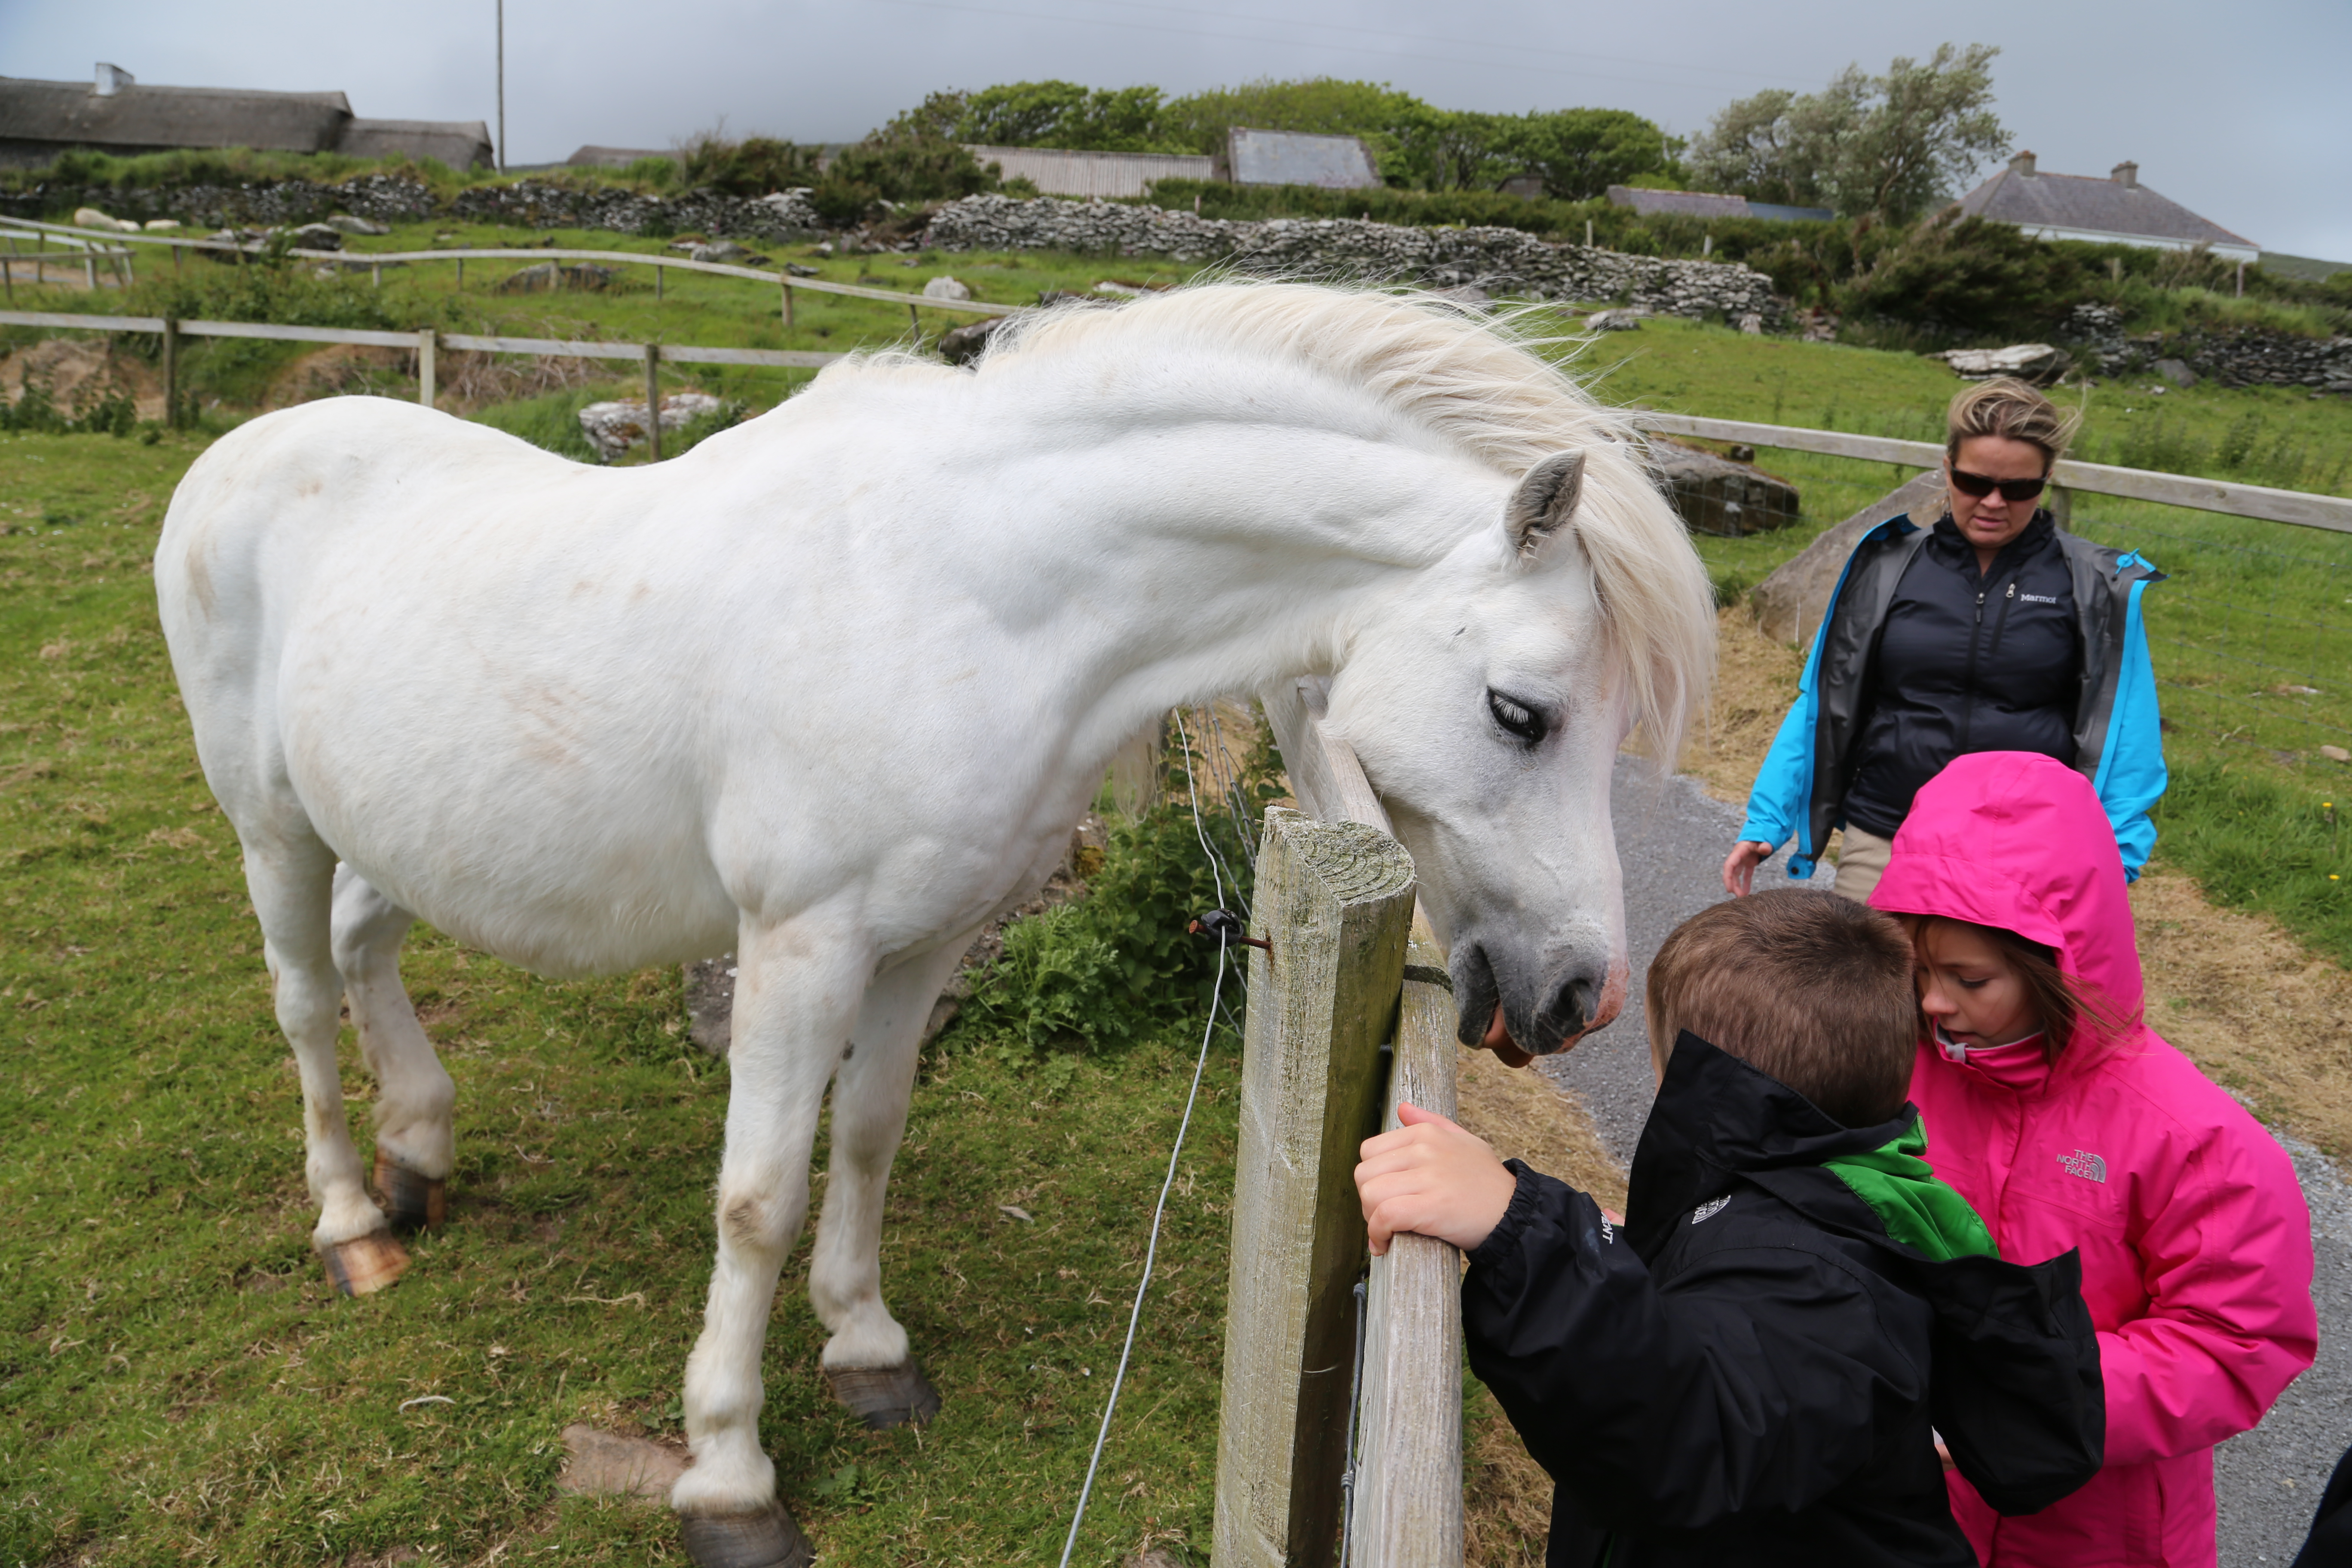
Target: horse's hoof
412, 1201
364, 1264
885, 1395
766, 1540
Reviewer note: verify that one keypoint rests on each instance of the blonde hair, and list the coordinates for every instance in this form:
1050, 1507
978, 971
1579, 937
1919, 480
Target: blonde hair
1806, 986
2008, 407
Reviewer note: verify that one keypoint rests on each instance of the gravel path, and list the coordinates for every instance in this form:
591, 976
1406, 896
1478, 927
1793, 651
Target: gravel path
1672, 839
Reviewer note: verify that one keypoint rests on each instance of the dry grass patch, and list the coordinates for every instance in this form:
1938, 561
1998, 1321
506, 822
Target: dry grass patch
1754, 681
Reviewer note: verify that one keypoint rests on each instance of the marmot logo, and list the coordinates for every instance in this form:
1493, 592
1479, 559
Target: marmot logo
1709, 1209
2084, 1163
2039, 598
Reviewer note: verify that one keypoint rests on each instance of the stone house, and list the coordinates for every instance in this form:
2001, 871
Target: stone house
114, 114
2118, 210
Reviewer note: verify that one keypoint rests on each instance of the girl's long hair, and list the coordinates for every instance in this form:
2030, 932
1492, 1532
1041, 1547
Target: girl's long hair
2069, 1008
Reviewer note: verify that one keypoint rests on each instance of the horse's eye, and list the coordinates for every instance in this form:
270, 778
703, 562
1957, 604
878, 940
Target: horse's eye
1520, 720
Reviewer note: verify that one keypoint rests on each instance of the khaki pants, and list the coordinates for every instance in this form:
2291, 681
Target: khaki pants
1862, 860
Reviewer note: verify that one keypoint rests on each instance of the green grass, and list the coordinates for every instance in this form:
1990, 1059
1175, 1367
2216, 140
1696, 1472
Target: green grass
182, 1387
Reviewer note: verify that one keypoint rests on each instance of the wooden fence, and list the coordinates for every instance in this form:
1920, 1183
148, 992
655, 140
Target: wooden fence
1340, 1433
116, 246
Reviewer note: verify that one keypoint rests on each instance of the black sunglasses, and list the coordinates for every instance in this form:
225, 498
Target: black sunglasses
1977, 485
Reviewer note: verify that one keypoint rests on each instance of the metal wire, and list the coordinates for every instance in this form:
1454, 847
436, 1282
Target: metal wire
1152, 1252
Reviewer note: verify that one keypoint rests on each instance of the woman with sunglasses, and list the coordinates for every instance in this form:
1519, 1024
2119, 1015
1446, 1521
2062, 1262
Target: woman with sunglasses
1985, 628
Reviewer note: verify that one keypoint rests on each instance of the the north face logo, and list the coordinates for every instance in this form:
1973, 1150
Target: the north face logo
2084, 1163
1709, 1209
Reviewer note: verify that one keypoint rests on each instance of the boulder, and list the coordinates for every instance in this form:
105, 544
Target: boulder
314, 237
2036, 362
946, 288
1789, 604
1626, 320
1716, 495
160, 224
2176, 371
613, 428
90, 217
346, 224
549, 275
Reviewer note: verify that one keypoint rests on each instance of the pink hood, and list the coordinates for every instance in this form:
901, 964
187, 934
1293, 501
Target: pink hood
2195, 1242
2019, 840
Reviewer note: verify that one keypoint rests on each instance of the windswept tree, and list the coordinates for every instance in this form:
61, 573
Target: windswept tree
1890, 147
1578, 154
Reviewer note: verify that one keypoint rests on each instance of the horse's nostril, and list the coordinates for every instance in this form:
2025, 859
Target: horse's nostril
1572, 1006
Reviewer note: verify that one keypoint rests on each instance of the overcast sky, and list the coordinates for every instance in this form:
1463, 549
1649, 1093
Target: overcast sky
2241, 113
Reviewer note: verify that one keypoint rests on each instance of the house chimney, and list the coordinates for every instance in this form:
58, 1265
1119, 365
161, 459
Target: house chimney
2022, 163
2127, 175
113, 79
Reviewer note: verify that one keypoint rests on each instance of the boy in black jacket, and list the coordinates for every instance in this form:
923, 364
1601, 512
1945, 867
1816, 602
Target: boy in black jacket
1756, 1365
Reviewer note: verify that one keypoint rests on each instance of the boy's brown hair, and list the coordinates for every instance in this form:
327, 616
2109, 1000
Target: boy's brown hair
1807, 987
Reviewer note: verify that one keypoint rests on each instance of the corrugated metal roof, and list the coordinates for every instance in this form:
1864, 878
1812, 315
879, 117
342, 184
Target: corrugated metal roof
71, 114
2085, 202
1057, 173
1294, 158
1684, 204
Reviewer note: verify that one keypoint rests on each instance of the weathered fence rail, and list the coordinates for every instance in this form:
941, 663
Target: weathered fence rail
1352, 965
2299, 507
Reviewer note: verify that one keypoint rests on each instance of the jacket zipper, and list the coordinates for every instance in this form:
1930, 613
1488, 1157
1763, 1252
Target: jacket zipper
2001, 622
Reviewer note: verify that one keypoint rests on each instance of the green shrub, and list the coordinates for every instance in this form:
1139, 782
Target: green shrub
1969, 277
752, 167
100, 409
551, 420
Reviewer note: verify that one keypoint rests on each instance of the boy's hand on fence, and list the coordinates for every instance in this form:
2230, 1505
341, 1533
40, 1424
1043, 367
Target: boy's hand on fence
1432, 1177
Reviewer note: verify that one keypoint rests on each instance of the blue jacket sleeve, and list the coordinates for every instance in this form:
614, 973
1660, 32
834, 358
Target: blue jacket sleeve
2131, 769
1784, 790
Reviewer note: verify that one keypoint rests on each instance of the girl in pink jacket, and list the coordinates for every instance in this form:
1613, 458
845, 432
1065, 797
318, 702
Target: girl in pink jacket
2067, 1122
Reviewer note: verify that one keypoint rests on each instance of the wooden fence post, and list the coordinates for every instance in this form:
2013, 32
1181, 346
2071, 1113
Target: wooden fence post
653, 403
1408, 1482
1335, 900
424, 340
171, 373
788, 307
661, 274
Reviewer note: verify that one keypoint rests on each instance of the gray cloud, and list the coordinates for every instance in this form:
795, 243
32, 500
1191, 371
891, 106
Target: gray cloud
2242, 117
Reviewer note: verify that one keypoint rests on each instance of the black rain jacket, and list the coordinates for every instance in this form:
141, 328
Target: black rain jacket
1751, 1371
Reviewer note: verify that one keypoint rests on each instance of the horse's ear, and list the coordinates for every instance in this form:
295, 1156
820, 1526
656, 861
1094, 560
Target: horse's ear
1545, 500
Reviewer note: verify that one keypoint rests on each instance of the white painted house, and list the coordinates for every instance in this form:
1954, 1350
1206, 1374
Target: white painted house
2118, 210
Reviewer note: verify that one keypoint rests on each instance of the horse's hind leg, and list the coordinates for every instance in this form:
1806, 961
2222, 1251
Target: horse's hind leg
867, 1361
291, 875
414, 1140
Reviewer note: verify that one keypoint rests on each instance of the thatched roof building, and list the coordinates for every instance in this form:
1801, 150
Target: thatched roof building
113, 113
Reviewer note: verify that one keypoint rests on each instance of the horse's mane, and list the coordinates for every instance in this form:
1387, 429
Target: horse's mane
1480, 385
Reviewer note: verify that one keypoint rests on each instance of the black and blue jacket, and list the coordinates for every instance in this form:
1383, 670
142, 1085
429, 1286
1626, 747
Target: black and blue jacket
2046, 652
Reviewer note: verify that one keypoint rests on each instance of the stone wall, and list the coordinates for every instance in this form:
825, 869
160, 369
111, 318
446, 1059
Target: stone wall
1498, 260
386, 198
2234, 359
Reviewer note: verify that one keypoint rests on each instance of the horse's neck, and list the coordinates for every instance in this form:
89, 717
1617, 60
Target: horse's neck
1175, 562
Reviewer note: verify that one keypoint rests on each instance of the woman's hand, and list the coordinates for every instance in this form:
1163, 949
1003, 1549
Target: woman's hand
1739, 867
1432, 1177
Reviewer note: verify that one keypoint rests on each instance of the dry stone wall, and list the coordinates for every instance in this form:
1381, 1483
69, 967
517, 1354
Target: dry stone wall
1497, 260
2234, 359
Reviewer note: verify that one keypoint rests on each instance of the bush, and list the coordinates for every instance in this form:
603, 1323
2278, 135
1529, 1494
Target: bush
101, 409
1111, 968
752, 167
1969, 277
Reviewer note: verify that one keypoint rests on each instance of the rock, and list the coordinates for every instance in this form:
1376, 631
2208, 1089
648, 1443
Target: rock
797, 271
1740, 452
2036, 362
962, 344
2336, 753
710, 1003
613, 428
549, 275
946, 288
1714, 495
601, 1463
1789, 602
90, 217
163, 225
1469, 296
1819, 326
1614, 322
721, 251
2176, 371
315, 237
1752, 323
346, 224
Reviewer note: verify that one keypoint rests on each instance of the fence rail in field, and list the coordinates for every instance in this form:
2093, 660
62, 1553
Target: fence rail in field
1340, 1437
2299, 507
353, 259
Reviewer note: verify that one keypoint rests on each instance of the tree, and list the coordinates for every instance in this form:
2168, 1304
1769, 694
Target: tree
1580, 152
1890, 147
1321, 106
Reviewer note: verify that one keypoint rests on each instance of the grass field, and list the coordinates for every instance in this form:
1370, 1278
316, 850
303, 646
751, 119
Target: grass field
182, 1388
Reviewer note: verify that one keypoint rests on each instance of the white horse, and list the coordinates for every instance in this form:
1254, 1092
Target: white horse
831, 689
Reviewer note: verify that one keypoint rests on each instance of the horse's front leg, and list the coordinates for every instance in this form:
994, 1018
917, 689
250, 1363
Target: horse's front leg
867, 1361
797, 993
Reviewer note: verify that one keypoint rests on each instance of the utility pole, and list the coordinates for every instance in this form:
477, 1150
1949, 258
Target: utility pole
502, 86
